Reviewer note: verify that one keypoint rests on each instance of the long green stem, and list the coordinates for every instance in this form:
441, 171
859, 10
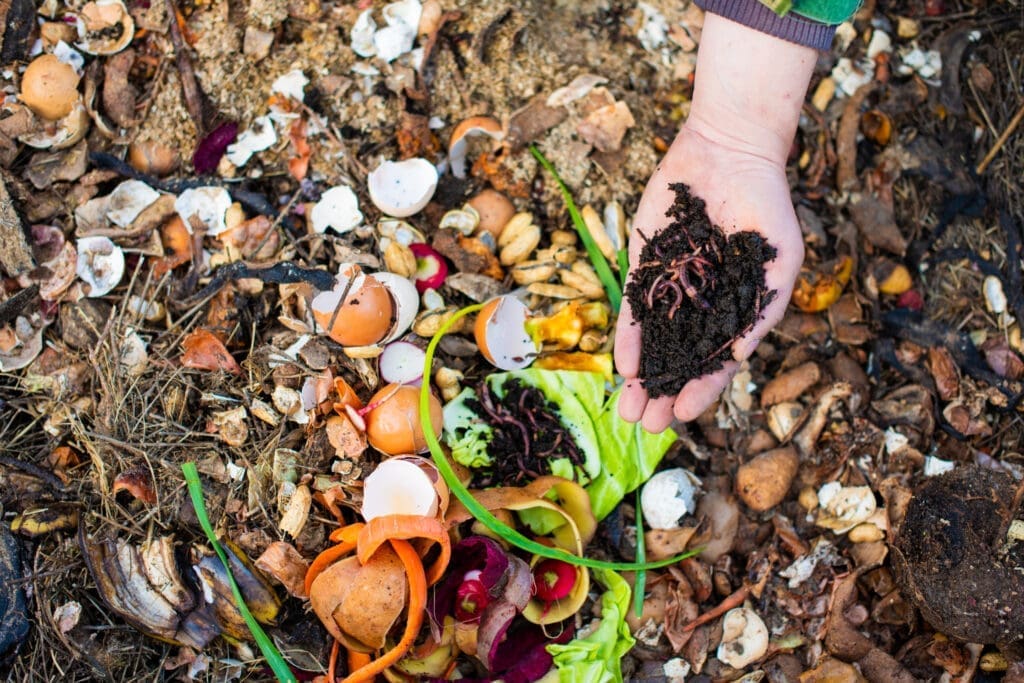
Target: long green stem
640, 581
482, 514
601, 267
267, 647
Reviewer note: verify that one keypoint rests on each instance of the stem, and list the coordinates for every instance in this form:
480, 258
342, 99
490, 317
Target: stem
601, 267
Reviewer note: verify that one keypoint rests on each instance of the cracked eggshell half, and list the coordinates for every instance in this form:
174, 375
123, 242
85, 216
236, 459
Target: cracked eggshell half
60, 134
399, 487
100, 264
402, 188
458, 145
365, 316
104, 27
204, 208
500, 332
128, 200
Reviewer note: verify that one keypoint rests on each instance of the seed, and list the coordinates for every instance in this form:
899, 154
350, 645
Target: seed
399, 259
514, 227
589, 288
865, 533
563, 238
554, 291
371, 351
428, 323
524, 240
529, 272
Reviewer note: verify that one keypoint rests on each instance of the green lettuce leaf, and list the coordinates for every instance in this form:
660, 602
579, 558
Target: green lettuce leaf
618, 456
596, 657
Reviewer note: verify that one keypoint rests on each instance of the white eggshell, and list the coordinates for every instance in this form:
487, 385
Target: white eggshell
669, 496
402, 188
398, 487
362, 34
744, 638
128, 200
401, 363
337, 209
510, 345
206, 206
407, 302
100, 264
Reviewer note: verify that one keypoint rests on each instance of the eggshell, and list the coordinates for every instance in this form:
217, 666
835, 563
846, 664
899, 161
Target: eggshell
402, 188
49, 87
495, 211
458, 145
406, 300
500, 332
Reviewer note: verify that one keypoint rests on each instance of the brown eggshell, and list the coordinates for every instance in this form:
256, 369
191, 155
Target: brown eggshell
49, 87
393, 427
495, 210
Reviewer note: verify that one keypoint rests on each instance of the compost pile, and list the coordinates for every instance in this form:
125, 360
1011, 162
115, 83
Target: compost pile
238, 241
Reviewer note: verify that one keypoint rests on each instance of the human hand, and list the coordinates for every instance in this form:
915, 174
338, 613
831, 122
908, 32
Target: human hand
732, 153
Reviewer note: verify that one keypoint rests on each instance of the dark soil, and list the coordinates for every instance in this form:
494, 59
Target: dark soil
527, 435
695, 291
954, 561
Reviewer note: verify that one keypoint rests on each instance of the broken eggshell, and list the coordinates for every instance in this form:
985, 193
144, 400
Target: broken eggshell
500, 332
100, 264
744, 638
337, 209
59, 134
458, 146
20, 345
843, 507
128, 200
399, 486
669, 496
204, 208
104, 27
402, 188
405, 299
365, 315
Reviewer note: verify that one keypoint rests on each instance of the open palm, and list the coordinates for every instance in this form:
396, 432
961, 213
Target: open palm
742, 191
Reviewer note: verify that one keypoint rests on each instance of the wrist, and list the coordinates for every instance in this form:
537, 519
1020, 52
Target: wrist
749, 89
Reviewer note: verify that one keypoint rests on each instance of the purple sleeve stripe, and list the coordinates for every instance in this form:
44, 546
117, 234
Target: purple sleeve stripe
791, 28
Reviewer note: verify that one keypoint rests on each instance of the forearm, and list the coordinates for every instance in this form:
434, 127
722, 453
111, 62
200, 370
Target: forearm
749, 88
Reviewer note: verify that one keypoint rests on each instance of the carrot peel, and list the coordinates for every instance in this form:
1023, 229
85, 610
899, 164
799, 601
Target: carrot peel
406, 527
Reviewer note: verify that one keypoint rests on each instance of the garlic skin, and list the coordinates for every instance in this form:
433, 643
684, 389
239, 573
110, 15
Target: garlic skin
744, 638
669, 496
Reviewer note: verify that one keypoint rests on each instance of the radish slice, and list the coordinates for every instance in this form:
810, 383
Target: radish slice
431, 268
398, 487
402, 363
501, 334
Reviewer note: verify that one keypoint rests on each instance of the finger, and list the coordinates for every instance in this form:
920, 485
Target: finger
627, 344
632, 401
658, 415
700, 393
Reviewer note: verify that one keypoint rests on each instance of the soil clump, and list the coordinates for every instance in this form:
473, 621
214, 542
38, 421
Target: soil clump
694, 292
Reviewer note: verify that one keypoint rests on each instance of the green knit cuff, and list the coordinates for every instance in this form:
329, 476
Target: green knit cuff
826, 11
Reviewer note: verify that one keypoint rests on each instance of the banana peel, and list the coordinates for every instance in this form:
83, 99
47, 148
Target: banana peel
145, 585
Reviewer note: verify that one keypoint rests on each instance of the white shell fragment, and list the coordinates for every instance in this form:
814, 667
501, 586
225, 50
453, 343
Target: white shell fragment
337, 209
669, 496
204, 208
402, 188
292, 84
398, 487
20, 344
258, 137
128, 200
362, 34
104, 27
744, 638
100, 264
397, 38
934, 466
843, 507
65, 133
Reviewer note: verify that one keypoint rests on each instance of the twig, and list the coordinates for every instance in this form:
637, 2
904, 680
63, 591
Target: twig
279, 273
734, 600
194, 99
1001, 140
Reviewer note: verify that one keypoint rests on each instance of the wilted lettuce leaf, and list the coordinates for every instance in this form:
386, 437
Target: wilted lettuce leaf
619, 456
595, 658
